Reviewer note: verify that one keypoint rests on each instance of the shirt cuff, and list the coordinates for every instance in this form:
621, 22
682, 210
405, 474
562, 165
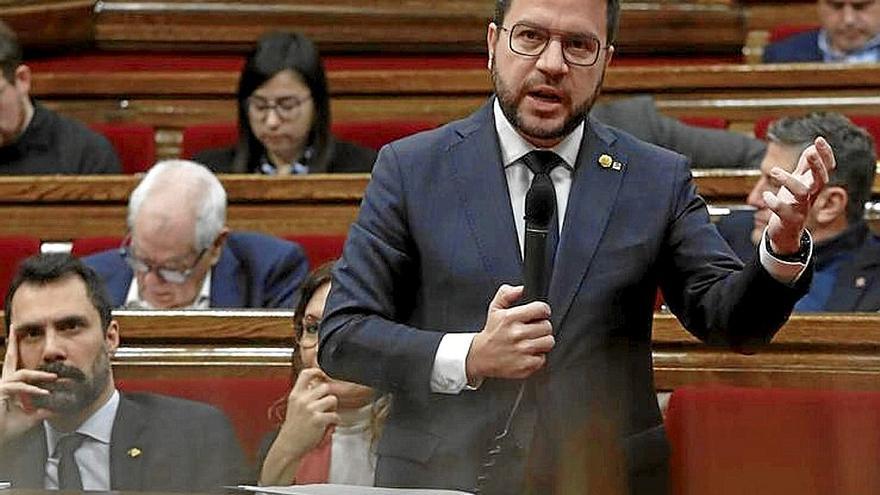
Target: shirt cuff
785, 272
449, 375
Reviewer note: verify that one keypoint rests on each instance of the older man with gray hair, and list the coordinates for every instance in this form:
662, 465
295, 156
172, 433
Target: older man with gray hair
179, 253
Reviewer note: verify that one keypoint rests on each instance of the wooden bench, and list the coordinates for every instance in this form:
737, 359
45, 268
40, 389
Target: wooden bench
742, 94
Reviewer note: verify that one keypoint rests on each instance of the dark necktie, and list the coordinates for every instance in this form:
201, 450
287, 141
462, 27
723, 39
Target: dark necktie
68, 471
541, 163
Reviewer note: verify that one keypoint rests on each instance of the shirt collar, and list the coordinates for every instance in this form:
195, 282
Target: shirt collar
203, 299
514, 146
870, 52
98, 426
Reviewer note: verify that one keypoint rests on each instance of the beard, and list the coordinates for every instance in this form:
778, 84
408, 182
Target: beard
79, 392
509, 102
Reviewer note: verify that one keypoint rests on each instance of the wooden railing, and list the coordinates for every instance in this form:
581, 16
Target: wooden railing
811, 351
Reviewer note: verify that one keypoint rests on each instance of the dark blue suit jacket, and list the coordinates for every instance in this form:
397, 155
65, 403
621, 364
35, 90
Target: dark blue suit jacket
801, 47
434, 240
184, 446
254, 271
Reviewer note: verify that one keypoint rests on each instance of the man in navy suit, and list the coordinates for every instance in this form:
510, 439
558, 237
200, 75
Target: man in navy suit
180, 254
850, 32
63, 424
424, 302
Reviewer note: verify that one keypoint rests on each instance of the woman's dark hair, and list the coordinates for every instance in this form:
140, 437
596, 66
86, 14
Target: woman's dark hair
276, 52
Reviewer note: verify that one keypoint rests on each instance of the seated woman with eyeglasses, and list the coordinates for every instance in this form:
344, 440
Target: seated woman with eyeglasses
284, 116
329, 428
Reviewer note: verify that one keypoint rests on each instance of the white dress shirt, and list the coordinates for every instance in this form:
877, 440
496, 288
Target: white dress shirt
93, 456
448, 374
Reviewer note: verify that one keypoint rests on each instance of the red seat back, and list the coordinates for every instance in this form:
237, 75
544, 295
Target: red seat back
135, 144
244, 400
708, 122
377, 134
781, 32
201, 137
319, 248
729, 440
14, 250
90, 245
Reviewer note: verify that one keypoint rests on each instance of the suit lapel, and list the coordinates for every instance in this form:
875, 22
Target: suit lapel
482, 191
127, 461
227, 281
590, 202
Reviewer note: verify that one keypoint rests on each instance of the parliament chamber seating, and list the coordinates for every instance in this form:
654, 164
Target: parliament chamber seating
245, 400
13, 250
135, 144
780, 32
735, 440
870, 123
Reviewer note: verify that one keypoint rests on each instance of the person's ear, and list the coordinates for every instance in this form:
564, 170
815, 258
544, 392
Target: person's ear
111, 338
491, 39
23, 79
830, 204
217, 248
609, 54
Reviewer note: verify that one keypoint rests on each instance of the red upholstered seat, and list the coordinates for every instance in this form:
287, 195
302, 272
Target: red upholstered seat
870, 123
201, 137
244, 400
13, 250
786, 30
708, 122
319, 248
89, 245
135, 144
377, 134
747, 440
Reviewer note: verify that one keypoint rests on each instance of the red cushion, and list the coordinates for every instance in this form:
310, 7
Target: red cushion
708, 122
135, 144
377, 134
13, 250
90, 245
201, 137
319, 248
781, 32
745, 440
244, 400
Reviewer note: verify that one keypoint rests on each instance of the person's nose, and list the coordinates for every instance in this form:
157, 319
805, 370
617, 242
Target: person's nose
272, 120
152, 277
552, 61
53, 347
849, 14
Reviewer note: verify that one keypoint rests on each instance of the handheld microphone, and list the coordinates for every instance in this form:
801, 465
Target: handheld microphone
540, 207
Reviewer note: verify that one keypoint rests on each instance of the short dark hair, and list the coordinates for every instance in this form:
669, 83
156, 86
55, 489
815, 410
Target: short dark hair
44, 269
853, 149
276, 52
612, 17
10, 52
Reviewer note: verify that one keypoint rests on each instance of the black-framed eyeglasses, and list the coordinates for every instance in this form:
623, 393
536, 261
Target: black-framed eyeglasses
171, 275
286, 107
581, 49
308, 338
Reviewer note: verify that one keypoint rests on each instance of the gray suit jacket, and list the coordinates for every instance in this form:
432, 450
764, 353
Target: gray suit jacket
435, 238
707, 148
184, 446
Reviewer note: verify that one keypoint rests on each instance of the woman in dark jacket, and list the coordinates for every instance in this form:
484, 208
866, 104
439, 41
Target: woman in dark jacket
284, 116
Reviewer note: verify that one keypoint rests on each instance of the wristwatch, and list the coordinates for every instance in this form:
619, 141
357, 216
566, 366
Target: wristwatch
801, 256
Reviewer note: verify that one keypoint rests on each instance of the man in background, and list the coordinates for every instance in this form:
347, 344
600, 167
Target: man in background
35, 140
849, 32
63, 424
843, 278
179, 253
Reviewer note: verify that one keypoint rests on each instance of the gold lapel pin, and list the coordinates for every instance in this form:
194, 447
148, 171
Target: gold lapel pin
605, 161
134, 452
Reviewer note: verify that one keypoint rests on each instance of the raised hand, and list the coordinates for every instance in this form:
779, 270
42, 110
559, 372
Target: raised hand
515, 340
791, 204
14, 385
